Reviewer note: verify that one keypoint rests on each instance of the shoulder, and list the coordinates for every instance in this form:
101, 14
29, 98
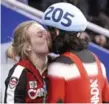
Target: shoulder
63, 59
103, 70
16, 72
63, 70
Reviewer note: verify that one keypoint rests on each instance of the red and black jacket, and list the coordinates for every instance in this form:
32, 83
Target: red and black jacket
24, 84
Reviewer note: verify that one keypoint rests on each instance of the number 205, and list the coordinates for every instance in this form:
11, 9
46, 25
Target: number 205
67, 16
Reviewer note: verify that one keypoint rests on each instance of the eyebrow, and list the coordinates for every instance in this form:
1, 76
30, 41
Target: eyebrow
41, 31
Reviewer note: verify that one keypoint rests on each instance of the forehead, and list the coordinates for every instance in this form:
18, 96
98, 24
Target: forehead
34, 28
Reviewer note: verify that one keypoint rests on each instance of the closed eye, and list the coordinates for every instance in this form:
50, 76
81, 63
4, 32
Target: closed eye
40, 35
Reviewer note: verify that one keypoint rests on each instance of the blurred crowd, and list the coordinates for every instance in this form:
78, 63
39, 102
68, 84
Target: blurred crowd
96, 11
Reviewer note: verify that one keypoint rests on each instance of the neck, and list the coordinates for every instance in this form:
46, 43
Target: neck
39, 61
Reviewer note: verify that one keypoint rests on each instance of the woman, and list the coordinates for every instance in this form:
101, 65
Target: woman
26, 79
77, 75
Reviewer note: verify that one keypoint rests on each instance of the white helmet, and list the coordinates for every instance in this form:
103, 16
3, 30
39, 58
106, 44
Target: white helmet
64, 16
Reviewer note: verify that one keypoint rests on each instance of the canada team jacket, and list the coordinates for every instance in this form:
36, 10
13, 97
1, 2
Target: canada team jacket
77, 78
24, 84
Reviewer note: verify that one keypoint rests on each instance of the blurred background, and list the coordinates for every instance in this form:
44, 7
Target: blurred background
14, 12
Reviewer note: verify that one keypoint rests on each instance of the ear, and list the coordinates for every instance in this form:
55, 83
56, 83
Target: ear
28, 47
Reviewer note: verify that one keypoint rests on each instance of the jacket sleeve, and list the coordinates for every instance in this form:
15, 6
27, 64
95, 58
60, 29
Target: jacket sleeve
15, 85
105, 93
105, 90
56, 85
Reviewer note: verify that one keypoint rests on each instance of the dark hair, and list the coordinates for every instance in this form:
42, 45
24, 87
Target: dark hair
52, 31
68, 41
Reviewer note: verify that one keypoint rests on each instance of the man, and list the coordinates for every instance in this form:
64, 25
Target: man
77, 75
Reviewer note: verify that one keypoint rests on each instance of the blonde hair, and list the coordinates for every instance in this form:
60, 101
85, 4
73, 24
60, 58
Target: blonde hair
19, 41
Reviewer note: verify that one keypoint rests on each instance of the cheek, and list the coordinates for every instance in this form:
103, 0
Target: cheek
49, 39
36, 41
49, 42
41, 48
39, 44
